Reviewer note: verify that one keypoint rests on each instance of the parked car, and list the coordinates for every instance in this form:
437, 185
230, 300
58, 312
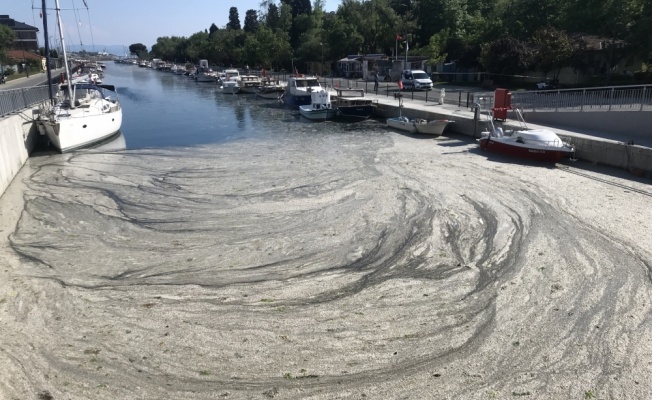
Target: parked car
547, 84
416, 79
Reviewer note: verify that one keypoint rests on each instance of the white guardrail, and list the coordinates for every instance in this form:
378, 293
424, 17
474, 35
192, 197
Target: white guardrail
611, 98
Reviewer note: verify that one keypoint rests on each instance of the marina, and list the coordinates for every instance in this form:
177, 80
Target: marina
223, 241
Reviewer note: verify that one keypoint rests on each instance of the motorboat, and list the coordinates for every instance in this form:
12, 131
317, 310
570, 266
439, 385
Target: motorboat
230, 87
434, 127
205, 73
352, 104
298, 89
401, 123
535, 144
250, 83
320, 108
82, 114
228, 75
271, 90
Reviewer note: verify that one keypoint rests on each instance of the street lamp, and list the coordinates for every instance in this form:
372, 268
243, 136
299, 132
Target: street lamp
321, 68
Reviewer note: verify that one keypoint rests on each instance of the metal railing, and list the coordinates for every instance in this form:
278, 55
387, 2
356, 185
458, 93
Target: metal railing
612, 98
14, 100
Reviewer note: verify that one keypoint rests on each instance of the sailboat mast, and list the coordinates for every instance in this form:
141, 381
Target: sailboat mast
47, 50
65, 56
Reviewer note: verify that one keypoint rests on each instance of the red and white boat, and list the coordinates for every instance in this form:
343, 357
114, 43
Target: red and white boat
534, 144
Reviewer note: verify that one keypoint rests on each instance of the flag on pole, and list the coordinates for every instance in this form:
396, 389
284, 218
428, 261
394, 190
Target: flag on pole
398, 37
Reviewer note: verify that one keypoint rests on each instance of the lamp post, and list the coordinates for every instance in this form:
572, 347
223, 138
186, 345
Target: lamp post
321, 67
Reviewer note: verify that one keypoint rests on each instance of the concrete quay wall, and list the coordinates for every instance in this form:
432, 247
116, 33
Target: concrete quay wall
634, 158
18, 136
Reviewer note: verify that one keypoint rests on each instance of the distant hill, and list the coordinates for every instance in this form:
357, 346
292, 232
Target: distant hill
117, 50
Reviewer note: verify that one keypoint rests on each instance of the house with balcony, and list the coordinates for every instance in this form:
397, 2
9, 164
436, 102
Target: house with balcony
26, 38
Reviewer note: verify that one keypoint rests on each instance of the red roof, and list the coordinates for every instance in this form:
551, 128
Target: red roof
22, 55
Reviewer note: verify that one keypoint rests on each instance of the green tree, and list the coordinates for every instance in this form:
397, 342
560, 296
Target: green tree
553, 50
197, 45
641, 32
7, 37
138, 49
272, 16
234, 19
6, 40
506, 56
212, 29
436, 46
251, 21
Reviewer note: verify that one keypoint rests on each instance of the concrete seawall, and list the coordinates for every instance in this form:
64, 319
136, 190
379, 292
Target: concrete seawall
18, 136
635, 158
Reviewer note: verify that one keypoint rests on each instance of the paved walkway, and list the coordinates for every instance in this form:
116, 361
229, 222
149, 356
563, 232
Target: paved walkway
462, 111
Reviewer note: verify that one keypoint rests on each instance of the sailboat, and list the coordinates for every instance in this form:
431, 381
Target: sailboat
83, 113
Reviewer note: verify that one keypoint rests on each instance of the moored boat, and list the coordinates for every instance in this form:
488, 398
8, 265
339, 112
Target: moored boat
352, 103
230, 81
320, 108
85, 113
298, 89
270, 90
534, 144
434, 127
401, 123
250, 83
204, 73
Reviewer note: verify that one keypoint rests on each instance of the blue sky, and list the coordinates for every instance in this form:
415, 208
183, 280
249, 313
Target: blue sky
124, 22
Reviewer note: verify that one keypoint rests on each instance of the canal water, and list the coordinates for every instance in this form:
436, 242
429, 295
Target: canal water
164, 110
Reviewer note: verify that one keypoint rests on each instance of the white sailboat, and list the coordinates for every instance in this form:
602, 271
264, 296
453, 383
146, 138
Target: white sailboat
83, 113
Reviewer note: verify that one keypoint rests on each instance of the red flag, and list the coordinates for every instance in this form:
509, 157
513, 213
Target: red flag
398, 37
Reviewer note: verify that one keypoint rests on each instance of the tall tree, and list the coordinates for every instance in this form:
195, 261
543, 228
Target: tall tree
7, 36
213, 28
272, 17
251, 21
234, 19
299, 6
139, 50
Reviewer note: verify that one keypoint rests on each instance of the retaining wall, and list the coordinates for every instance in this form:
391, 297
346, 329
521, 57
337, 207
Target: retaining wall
18, 136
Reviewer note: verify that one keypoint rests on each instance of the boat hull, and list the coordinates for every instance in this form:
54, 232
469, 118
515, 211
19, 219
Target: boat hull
435, 128
356, 112
230, 89
269, 95
295, 100
249, 89
550, 154
402, 124
76, 132
318, 115
206, 78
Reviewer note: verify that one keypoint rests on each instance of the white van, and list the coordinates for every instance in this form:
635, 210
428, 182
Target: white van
417, 79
